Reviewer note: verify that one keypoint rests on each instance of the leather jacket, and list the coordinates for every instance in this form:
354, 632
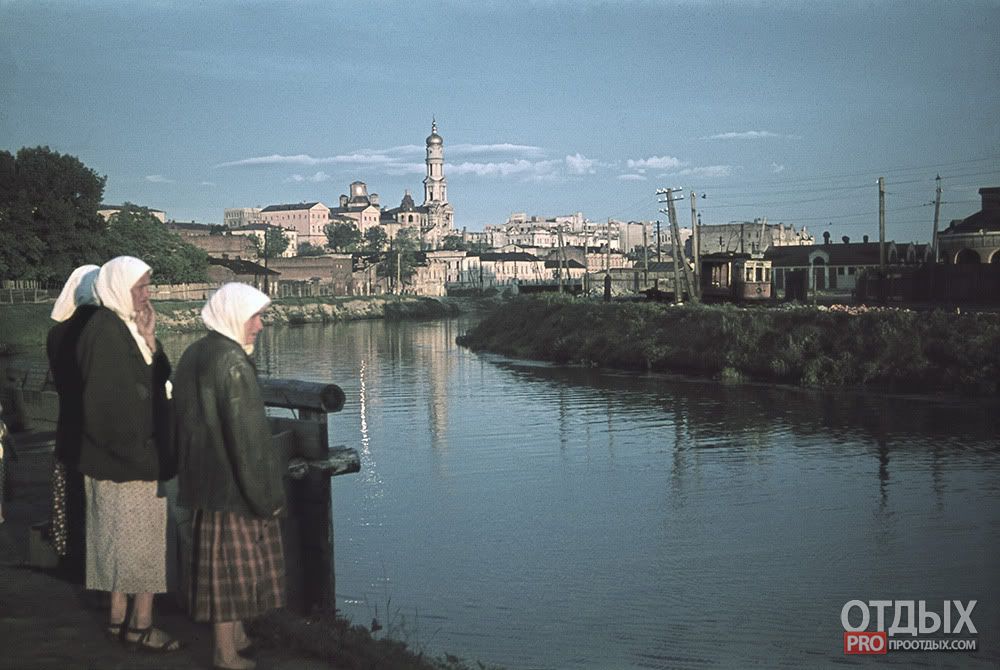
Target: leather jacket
226, 461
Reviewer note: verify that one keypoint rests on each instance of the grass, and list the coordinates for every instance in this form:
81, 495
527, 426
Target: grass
891, 349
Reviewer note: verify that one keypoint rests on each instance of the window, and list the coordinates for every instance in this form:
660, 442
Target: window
851, 271
840, 271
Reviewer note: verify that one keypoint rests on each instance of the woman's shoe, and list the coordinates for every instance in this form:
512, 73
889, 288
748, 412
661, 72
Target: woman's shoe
144, 641
113, 631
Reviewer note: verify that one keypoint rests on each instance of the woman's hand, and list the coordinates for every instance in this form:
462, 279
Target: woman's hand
145, 321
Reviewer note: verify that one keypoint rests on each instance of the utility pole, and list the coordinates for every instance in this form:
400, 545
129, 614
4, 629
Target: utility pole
658, 240
937, 214
645, 259
608, 263
881, 237
676, 245
562, 258
695, 243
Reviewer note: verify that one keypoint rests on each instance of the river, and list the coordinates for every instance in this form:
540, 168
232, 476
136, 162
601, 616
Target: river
539, 516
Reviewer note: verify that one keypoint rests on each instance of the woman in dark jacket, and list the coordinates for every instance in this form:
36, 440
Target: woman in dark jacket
77, 302
122, 441
229, 474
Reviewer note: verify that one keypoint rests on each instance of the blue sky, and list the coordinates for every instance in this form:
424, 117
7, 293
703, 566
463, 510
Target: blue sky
784, 110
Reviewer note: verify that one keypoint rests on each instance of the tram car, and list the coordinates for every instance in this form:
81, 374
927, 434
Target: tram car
733, 277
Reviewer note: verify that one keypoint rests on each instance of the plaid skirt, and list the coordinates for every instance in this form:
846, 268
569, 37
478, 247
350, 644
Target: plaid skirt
237, 566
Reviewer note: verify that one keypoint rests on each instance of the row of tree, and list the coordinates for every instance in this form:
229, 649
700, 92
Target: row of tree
49, 223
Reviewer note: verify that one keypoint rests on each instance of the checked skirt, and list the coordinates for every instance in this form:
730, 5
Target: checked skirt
238, 566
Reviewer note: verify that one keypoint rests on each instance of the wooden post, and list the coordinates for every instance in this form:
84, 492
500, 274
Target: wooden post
881, 238
695, 243
307, 532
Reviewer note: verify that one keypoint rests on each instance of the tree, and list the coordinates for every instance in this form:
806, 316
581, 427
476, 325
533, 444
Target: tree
342, 236
375, 238
135, 231
454, 242
48, 214
309, 249
272, 244
403, 251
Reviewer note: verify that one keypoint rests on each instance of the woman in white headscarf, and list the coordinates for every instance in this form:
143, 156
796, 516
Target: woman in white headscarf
229, 474
124, 438
74, 307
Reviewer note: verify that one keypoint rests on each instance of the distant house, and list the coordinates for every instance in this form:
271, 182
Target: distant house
222, 270
835, 267
309, 219
976, 238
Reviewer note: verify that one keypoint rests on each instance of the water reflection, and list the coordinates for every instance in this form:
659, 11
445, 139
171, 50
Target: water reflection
541, 516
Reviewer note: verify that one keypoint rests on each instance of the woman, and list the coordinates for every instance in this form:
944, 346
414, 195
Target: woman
75, 305
229, 474
124, 435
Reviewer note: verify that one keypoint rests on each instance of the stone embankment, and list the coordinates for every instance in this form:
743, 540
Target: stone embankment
186, 317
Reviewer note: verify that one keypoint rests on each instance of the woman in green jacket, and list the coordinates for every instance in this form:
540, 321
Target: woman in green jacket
229, 474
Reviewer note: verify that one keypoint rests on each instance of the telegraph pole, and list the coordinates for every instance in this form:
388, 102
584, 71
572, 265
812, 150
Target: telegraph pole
937, 214
695, 251
678, 249
562, 258
658, 240
645, 259
881, 237
675, 244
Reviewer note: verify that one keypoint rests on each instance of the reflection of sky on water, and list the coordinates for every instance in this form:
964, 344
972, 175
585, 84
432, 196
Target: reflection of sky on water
541, 516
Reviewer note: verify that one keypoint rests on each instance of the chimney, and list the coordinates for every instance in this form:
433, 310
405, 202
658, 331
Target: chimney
865, 239
846, 239
991, 198
343, 201
826, 237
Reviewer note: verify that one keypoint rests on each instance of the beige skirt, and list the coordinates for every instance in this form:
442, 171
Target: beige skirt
126, 537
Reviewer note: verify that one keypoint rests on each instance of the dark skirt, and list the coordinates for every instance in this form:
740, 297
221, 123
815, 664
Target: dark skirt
237, 566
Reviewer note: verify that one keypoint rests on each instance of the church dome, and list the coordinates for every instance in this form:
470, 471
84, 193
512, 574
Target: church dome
434, 138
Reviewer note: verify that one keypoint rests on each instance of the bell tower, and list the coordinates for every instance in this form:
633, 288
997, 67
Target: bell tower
435, 185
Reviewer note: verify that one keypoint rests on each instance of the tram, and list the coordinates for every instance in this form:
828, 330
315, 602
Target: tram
734, 277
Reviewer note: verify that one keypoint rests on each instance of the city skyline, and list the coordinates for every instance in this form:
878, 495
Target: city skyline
782, 110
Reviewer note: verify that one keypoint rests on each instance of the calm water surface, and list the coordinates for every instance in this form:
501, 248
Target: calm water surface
535, 516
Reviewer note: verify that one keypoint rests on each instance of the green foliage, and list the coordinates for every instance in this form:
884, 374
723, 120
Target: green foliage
343, 236
307, 249
375, 239
273, 244
48, 214
135, 231
888, 349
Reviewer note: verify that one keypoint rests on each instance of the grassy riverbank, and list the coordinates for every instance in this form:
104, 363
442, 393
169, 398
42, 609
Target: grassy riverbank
25, 326
890, 349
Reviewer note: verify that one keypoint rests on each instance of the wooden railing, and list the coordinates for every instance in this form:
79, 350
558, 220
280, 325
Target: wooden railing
307, 531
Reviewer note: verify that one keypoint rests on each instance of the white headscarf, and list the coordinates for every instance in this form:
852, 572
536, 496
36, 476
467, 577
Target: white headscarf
114, 289
229, 309
78, 290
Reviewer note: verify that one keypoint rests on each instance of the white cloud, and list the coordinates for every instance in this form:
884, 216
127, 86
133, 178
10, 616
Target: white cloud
316, 178
207, 183
775, 168
504, 169
502, 148
579, 164
631, 177
656, 163
159, 179
750, 135
705, 171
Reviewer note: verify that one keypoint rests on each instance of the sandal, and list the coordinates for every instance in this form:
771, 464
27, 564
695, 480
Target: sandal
114, 632
142, 643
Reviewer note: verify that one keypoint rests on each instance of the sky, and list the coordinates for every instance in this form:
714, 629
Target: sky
784, 110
